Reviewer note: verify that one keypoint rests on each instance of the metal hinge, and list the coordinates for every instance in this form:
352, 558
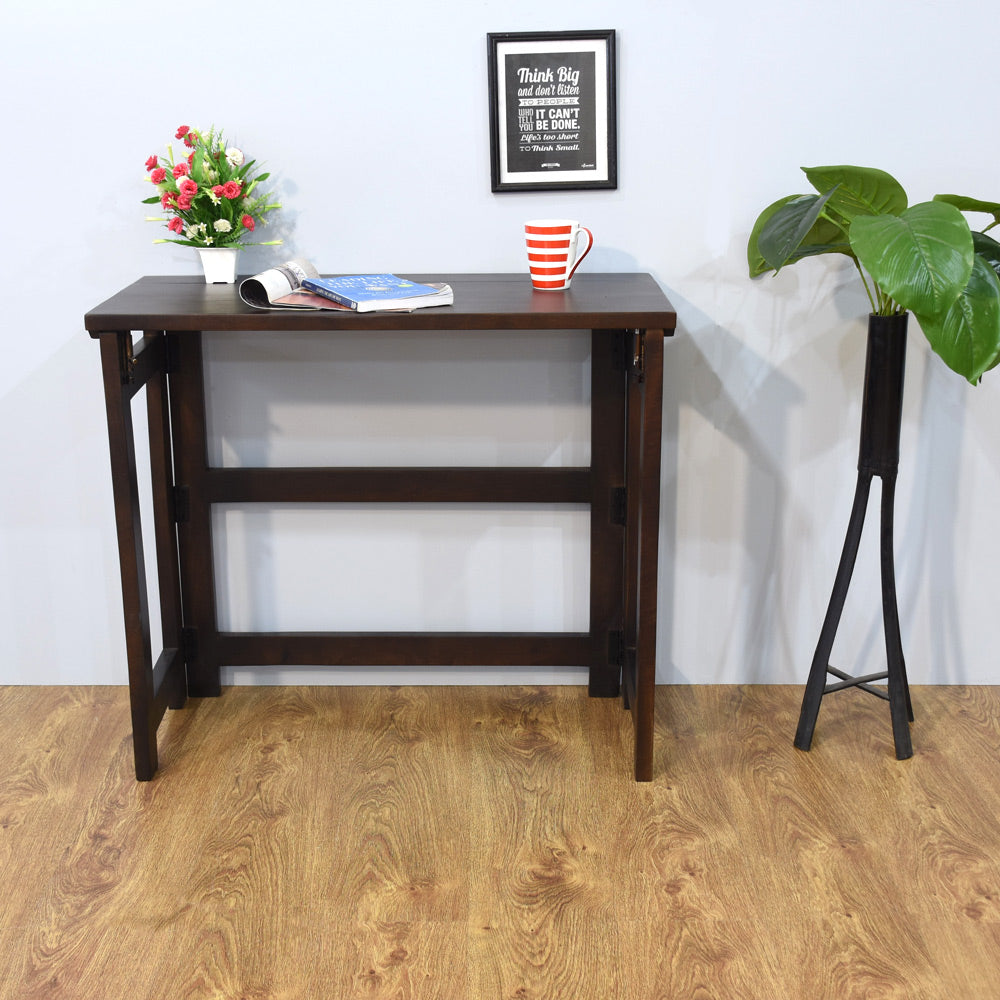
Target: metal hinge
619, 506
126, 358
616, 648
189, 644
182, 504
639, 355
170, 352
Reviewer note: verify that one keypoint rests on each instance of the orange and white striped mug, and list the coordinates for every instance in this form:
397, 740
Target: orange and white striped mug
552, 252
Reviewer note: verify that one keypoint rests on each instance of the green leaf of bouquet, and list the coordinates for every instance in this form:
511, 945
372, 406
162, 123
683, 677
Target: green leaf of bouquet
987, 248
859, 190
782, 235
155, 200
967, 335
921, 258
198, 166
966, 204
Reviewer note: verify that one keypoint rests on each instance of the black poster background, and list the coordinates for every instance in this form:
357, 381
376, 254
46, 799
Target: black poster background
551, 116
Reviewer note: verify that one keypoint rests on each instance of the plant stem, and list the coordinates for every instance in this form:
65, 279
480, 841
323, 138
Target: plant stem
864, 282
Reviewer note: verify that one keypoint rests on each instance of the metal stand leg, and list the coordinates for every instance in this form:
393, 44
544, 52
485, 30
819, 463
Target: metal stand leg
816, 684
899, 690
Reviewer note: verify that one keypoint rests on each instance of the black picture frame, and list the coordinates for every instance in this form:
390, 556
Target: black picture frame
553, 117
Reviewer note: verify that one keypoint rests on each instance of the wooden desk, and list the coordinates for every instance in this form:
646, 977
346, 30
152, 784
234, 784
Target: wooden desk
628, 316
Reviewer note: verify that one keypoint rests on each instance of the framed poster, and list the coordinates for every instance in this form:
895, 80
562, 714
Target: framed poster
552, 110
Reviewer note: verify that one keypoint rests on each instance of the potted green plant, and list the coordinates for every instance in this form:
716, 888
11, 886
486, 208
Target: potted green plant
923, 259
920, 258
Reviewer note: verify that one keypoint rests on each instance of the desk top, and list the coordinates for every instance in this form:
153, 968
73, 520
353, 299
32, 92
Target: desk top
482, 302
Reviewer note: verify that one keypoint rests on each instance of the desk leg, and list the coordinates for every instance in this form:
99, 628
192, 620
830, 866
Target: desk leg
194, 531
161, 470
645, 420
607, 537
121, 439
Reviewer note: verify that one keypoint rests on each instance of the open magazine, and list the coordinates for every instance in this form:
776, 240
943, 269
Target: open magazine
281, 287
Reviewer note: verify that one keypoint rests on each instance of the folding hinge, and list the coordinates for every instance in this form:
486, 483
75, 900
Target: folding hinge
170, 352
189, 644
126, 358
639, 355
619, 506
182, 504
616, 648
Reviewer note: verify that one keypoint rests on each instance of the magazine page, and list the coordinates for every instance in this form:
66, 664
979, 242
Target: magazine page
267, 289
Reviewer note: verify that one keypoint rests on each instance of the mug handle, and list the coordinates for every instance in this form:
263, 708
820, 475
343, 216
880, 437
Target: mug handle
590, 246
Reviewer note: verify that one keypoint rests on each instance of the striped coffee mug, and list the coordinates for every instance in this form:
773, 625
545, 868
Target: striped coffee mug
552, 252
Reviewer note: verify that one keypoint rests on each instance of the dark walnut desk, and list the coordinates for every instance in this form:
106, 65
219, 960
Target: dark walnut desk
628, 316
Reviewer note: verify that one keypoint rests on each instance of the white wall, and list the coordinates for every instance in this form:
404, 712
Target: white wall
374, 121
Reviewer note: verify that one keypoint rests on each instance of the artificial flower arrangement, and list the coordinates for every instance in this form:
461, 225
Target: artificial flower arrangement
211, 193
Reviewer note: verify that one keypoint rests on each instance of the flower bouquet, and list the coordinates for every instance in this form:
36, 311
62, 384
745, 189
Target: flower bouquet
212, 193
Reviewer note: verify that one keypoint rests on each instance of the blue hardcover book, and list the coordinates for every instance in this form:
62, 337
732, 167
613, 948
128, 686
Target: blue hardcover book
370, 292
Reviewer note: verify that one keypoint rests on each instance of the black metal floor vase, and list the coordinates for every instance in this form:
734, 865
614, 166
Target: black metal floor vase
881, 415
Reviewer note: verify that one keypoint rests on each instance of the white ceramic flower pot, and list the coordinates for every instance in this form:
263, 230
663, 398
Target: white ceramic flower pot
219, 264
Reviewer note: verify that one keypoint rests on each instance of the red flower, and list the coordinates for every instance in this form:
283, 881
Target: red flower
168, 199
231, 189
184, 202
158, 176
182, 131
151, 163
247, 222
191, 160
181, 170
175, 225
219, 191
187, 187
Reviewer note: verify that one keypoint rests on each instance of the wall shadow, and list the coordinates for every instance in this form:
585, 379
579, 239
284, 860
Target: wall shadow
764, 397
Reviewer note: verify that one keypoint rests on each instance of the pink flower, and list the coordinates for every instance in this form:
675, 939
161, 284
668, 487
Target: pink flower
158, 176
182, 169
190, 139
175, 225
191, 160
151, 163
219, 191
182, 131
247, 223
231, 189
168, 198
184, 202
187, 187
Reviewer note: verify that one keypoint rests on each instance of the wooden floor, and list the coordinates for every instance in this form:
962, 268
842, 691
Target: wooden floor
330, 843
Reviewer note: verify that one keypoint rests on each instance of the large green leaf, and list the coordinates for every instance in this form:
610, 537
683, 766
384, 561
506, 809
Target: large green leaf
823, 237
987, 248
921, 258
960, 201
859, 190
967, 336
783, 235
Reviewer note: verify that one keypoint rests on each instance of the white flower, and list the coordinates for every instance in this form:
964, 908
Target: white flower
235, 157
223, 226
